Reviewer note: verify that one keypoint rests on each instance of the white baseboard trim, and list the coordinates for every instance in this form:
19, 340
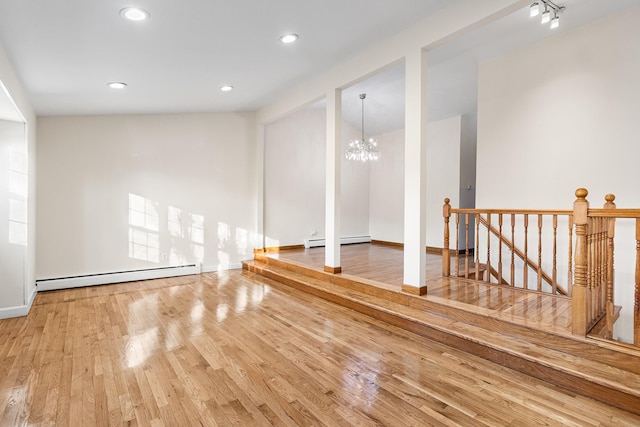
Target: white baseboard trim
119, 277
20, 310
313, 243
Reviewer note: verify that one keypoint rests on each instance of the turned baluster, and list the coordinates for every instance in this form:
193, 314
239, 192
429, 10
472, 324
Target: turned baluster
466, 250
579, 292
500, 249
610, 270
446, 261
488, 248
477, 249
591, 229
602, 298
539, 252
525, 268
636, 305
554, 273
457, 244
513, 252
570, 260
602, 265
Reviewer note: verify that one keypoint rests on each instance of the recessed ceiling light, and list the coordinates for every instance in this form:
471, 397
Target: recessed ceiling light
117, 85
134, 14
289, 38
226, 88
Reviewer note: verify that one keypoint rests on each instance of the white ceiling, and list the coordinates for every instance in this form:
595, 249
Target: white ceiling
453, 68
66, 51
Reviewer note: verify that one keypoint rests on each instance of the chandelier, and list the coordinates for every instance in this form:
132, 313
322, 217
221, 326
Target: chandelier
362, 150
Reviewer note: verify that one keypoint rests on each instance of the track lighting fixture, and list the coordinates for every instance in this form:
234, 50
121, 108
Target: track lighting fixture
549, 9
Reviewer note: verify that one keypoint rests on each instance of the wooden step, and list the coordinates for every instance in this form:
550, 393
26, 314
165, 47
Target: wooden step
471, 274
594, 368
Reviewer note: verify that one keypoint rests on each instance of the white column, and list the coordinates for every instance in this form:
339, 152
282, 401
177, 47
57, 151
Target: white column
332, 189
415, 172
260, 237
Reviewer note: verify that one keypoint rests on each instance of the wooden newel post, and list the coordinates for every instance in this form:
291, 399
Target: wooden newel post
611, 234
579, 295
446, 259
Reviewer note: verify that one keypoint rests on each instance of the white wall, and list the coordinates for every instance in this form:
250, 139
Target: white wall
118, 192
447, 154
468, 150
294, 178
386, 200
443, 174
295, 181
560, 115
16, 296
13, 212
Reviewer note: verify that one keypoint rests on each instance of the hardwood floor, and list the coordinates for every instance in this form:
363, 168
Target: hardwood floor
383, 266
236, 349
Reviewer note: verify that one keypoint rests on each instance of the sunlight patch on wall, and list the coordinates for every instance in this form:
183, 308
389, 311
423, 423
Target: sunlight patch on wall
176, 258
18, 190
242, 241
144, 224
187, 239
174, 221
18, 174
18, 222
196, 232
224, 236
271, 242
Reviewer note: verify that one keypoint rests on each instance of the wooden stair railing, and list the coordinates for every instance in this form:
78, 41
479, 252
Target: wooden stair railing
542, 275
518, 278
595, 268
590, 272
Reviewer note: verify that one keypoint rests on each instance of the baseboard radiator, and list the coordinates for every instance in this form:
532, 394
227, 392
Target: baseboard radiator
116, 277
314, 243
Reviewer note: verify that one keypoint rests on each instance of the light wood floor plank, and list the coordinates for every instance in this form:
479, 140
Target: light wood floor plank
231, 349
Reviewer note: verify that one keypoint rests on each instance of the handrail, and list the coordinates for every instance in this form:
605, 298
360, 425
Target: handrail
514, 211
614, 213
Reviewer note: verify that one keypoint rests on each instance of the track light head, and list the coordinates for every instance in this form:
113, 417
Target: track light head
534, 9
546, 17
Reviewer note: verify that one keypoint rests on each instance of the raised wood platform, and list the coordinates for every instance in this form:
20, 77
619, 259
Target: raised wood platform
525, 331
